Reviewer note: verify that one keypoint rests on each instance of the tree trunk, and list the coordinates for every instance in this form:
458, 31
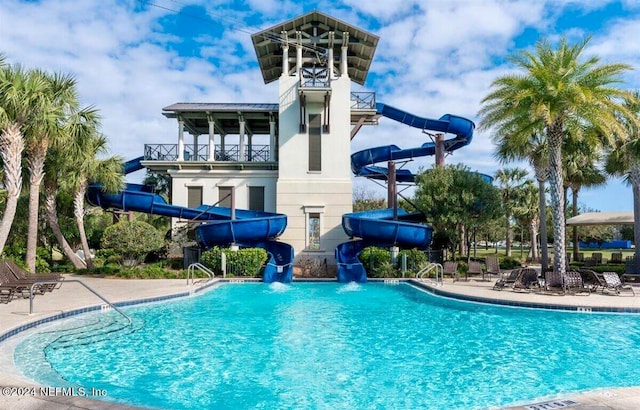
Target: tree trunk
574, 205
634, 178
11, 147
533, 229
36, 171
52, 216
557, 196
542, 173
508, 230
78, 211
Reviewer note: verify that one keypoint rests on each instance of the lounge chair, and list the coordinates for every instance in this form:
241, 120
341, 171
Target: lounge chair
553, 282
475, 268
20, 286
450, 268
573, 283
507, 279
616, 257
6, 294
527, 279
13, 287
593, 279
493, 266
21, 275
612, 281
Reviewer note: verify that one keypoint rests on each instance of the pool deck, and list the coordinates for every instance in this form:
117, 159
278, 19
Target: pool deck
73, 296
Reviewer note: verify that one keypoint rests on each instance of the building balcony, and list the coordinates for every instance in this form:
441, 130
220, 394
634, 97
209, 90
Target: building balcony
199, 153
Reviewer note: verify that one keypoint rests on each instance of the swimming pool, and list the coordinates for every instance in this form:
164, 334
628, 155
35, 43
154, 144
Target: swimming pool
336, 346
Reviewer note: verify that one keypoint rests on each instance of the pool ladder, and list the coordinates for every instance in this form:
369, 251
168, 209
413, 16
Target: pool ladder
427, 270
192, 269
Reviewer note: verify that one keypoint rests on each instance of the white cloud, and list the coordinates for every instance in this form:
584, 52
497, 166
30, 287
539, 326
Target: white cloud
434, 57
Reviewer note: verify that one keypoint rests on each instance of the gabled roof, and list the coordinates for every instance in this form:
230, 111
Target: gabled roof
315, 25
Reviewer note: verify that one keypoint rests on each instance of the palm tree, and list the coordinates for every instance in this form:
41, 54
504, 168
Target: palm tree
580, 170
558, 91
526, 211
58, 99
86, 167
623, 159
19, 101
532, 147
510, 181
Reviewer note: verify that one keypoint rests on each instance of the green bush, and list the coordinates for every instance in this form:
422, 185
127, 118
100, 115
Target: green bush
243, 262
416, 259
509, 263
132, 240
373, 257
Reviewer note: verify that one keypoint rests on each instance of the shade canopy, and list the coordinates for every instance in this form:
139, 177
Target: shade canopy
602, 218
314, 28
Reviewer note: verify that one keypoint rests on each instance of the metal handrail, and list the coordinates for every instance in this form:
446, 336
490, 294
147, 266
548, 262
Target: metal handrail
192, 268
51, 282
428, 269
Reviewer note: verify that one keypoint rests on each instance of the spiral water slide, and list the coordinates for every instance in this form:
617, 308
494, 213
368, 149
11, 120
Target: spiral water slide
248, 228
382, 227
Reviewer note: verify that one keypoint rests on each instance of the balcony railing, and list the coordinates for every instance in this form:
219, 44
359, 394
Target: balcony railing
363, 100
315, 77
169, 152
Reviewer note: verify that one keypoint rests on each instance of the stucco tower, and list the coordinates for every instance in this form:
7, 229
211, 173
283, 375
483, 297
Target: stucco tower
315, 58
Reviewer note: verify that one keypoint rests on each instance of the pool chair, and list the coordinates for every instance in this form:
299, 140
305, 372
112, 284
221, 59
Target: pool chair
616, 257
493, 266
508, 279
450, 268
21, 275
593, 279
573, 283
475, 268
6, 294
612, 281
13, 287
527, 279
553, 282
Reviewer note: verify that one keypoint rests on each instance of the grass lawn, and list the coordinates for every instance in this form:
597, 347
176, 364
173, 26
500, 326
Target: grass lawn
481, 252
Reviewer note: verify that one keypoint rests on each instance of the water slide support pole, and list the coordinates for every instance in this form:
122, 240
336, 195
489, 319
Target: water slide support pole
439, 150
392, 201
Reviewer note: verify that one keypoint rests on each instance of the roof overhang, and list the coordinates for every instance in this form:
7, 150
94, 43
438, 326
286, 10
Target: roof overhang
225, 116
602, 218
314, 27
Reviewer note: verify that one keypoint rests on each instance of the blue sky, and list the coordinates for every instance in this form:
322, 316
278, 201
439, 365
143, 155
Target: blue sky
133, 57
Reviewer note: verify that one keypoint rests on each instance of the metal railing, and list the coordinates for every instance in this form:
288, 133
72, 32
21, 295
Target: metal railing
51, 282
361, 100
169, 152
192, 269
315, 77
427, 270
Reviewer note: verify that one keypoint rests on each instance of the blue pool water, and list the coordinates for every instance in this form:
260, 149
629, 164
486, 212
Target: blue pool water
335, 346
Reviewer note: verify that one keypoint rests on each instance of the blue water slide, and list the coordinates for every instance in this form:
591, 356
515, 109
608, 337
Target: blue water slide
249, 228
379, 227
133, 165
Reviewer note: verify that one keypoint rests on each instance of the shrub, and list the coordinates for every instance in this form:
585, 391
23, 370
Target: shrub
132, 240
416, 259
243, 262
509, 263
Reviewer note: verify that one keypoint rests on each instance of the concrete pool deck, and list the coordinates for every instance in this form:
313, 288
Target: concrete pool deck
73, 296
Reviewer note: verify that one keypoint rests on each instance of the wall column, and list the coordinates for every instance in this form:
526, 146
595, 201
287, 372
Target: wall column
272, 139
299, 55
212, 140
195, 148
330, 57
344, 68
180, 139
241, 141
